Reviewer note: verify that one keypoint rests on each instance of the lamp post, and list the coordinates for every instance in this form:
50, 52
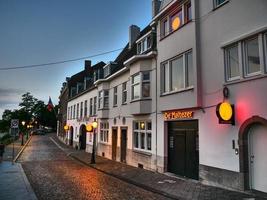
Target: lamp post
94, 125
22, 135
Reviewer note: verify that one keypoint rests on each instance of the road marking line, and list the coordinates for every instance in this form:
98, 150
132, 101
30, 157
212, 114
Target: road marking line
57, 144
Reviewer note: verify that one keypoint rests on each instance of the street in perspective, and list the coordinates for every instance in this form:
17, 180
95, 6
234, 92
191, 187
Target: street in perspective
144, 99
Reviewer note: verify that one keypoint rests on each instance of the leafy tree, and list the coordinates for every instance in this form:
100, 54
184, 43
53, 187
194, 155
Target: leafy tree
28, 102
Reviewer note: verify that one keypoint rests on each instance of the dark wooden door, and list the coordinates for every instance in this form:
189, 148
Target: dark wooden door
114, 143
83, 138
182, 149
71, 136
123, 144
177, 153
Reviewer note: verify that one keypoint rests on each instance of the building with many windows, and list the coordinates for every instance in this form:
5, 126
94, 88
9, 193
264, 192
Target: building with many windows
185, 96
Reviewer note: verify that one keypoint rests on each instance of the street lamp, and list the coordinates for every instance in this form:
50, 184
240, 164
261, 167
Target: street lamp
22, 135
94, 125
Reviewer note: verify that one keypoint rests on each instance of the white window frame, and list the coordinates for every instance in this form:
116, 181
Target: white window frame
169, 73
124, 93
140, 131
115, 96
216, 4
74, 110
103, 99
106, 70
95, 105
245, 59
143, 44
140, 83
227, 62
104, 132
91, 107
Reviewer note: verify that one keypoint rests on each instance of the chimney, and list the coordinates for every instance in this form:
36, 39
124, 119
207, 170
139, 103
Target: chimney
134, 32
155, 7
87, 64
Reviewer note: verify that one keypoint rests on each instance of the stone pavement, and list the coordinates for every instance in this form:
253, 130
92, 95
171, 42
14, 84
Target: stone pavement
172, 187
14, 183
9, 149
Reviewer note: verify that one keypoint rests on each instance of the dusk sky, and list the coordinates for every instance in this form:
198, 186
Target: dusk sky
36, 32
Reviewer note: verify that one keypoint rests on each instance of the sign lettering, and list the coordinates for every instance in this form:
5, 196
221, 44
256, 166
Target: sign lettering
178, 115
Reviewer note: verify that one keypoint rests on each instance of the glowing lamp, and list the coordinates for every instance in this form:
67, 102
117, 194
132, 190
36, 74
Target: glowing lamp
225, 113
94, 124
23, 123
89, 128
176, 23
142, 125
66, 127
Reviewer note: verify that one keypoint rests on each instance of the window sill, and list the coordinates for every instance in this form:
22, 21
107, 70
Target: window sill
251, 78
104, 143
163, 37
220, 5
143, 152
178, 91
114, 106
141, 99
101, 109
123, 104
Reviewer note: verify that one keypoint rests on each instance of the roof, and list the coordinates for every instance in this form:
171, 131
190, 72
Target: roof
164, 3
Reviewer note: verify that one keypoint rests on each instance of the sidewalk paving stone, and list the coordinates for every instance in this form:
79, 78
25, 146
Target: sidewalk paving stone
173, 187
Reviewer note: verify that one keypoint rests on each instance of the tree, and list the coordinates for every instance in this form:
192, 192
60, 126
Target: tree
28, 102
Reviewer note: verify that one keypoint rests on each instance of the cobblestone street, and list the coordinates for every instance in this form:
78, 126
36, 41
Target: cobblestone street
53, 175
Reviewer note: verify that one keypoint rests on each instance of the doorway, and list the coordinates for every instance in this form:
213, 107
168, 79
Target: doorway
257, 138
123, 144
114, 143
71, 136
183, 155
82, 137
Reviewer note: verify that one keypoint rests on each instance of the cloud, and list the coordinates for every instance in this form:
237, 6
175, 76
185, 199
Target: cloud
10, 96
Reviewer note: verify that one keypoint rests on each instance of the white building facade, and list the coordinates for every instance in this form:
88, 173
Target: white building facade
156, 103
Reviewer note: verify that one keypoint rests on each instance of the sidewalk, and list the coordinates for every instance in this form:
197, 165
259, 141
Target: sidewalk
13, 181
172, 187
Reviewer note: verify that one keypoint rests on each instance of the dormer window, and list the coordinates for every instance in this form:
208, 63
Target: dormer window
106, 71
144, 45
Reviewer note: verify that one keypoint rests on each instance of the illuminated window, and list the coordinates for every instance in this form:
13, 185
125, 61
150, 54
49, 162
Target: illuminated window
232, 62
142, 135
104, 130
176, 18
177, 74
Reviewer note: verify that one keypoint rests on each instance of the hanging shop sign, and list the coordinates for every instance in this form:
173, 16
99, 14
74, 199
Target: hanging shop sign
225, 113
171, 115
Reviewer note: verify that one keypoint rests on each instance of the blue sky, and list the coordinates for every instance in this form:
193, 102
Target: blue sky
38, 31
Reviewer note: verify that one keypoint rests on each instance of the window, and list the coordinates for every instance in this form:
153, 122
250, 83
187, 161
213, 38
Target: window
188, 14
252, 56
144, 45
141, 89
95, 99
100, 98
91, 106
142, 135
77, 116
217, 3
103, 99
232, 63
71, 116
124, 92
136, 86
175, 19
106, 70
177, 74
146, 84
115, 96
104, 130
81, 112
68, 114
85, 108
74, 108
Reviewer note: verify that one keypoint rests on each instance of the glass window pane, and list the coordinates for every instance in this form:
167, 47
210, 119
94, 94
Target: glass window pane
253, 58
148, 141
146, 89
188, 12
233, 64
166, 77
189, 65
143, 140
176, 20
136, 79
149, 125
136, 142
136, 91
136, 125
165, 28
177, 74
146, 76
